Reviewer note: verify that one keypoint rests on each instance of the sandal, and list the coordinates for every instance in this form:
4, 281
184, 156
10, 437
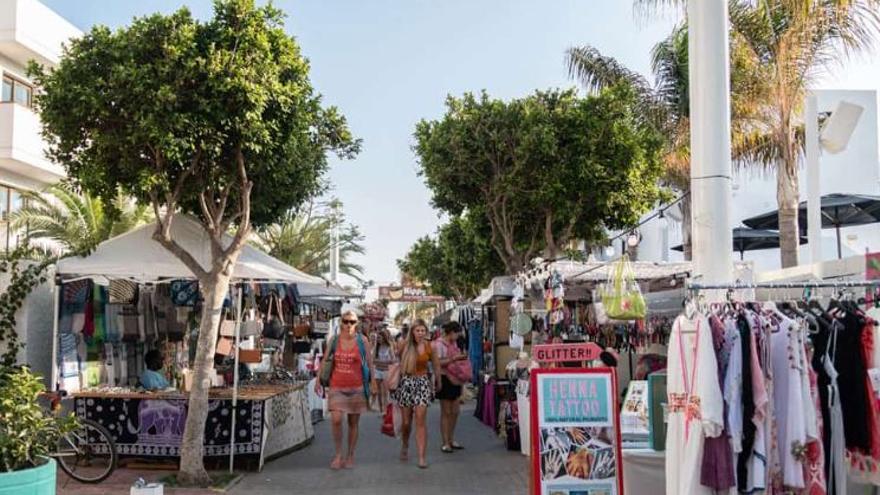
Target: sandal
456, 446
446, 449
336, 464
349, 463
423, 465
404, 455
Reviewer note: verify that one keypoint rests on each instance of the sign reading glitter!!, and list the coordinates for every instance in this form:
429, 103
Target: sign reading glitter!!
560, 353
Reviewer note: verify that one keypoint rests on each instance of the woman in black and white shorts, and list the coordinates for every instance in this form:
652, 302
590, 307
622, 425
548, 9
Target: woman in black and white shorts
414, 391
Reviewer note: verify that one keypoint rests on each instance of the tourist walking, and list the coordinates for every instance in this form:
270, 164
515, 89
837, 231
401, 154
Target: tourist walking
448, 354
351, 384
384, 356
414, 392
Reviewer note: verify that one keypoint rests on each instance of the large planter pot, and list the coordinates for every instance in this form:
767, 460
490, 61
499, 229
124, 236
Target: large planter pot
34, 481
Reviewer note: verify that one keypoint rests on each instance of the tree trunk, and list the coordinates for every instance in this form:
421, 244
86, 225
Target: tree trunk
192, 467
787, 196
551, 250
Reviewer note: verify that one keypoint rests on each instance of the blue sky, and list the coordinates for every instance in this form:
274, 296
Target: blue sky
389, 63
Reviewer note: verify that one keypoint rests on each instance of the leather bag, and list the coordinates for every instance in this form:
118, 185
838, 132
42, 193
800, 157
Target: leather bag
327, 365
274, 327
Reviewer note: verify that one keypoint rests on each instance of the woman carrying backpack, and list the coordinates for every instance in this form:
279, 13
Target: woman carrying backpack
351, 384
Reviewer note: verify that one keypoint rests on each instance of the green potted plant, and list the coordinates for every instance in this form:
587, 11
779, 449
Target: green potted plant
28, 434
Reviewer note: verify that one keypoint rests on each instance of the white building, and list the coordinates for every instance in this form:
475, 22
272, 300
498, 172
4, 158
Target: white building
855, 170
28, 31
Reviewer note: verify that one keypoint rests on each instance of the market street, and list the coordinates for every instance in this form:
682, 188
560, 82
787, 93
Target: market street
484, 467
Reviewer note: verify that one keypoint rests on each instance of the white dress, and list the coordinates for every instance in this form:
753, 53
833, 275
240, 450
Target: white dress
789, 402
696, 410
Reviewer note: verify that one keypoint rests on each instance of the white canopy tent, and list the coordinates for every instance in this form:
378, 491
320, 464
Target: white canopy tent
136, 256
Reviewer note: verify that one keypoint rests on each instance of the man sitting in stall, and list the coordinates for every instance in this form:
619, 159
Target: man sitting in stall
153, 378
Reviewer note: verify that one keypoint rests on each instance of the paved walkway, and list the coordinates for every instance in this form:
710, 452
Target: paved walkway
484, 467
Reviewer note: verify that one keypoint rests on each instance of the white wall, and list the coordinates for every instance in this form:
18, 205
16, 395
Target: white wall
30, 30
855, 170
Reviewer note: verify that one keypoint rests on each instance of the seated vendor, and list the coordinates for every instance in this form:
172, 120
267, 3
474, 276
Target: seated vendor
153, 378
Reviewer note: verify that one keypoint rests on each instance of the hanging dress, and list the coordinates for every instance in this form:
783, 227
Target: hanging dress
837, 441
694, 404
789, 403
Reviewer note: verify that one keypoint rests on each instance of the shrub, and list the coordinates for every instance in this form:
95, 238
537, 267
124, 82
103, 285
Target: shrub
28, 432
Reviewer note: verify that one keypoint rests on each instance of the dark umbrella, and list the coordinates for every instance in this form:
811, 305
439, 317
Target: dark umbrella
746, 239
838, 210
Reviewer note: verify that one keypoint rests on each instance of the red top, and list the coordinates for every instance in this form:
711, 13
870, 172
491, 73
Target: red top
347, 371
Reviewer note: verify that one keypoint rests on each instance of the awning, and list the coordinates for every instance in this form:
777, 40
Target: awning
136, 256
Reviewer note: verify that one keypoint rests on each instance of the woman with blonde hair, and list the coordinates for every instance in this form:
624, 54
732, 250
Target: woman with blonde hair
414, 392
351, 383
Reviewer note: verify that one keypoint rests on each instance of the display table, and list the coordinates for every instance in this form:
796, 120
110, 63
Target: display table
271, 420
644, 471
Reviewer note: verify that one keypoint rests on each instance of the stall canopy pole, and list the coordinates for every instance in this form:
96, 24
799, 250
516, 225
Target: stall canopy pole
238, 311
56, 297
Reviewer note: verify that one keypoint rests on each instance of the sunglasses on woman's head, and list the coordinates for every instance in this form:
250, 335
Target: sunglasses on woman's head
350, 322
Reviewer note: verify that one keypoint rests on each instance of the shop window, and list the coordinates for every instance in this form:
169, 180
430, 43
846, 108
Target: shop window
16, 91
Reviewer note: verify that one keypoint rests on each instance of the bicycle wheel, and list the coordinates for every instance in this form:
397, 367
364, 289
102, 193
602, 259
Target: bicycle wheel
87, 454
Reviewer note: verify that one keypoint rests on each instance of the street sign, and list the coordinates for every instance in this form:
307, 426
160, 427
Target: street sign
558, 353
575, 432
408, 294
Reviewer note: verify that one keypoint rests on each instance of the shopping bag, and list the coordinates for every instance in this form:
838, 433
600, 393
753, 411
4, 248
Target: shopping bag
388, 421
326, 369
459, 372
621, 297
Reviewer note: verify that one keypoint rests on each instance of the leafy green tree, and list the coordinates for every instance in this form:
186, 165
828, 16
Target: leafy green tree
458, 261
78, 221
213, 118
304, 240
544, 169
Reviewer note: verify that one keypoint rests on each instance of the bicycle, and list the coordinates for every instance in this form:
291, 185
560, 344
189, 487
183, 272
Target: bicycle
87, 453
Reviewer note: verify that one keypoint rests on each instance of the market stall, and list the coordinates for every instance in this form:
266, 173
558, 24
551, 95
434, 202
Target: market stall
131, 296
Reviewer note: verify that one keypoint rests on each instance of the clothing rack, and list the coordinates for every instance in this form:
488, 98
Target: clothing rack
786, 285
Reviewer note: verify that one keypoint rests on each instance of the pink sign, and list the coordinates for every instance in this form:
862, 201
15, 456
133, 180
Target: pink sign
557, 353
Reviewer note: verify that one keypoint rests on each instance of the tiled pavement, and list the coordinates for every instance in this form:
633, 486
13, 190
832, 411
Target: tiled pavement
485, 467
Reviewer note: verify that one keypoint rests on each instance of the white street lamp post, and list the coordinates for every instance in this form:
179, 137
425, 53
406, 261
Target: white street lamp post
710, 139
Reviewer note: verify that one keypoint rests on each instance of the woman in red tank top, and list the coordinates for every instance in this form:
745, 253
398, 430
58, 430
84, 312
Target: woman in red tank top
345, 395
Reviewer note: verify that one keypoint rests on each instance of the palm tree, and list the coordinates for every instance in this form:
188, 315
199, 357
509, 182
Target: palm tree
304, 240
666, 104
424, 311
788, 44
75, 219
796, 41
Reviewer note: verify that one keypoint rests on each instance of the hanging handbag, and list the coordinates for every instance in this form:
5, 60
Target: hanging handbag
227, 326
252, 324
302, 330
621, 297
327, 365
250, 356
274, 327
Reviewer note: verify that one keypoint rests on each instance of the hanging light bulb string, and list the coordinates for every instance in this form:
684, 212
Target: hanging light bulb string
528, 275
